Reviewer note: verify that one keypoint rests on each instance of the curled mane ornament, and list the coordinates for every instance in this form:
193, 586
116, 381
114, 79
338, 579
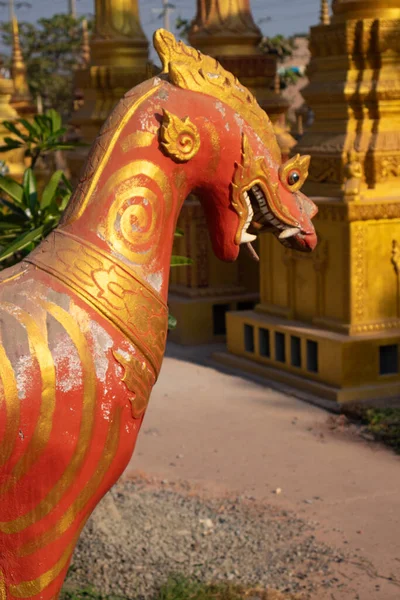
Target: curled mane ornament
180, 138
83, 318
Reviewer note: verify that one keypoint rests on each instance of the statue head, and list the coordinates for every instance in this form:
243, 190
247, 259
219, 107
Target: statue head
250, 191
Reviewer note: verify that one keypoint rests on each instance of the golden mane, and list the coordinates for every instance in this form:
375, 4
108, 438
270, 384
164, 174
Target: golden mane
189, 69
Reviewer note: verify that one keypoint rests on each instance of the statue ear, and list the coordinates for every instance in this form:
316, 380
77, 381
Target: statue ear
180, 138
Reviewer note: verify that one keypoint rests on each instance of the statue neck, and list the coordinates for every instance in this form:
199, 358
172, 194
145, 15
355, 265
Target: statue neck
128, 200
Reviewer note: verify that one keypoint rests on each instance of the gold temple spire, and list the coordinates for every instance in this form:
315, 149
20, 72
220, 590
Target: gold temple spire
324, 17
21, 99
227, 24
118, 34
85, 45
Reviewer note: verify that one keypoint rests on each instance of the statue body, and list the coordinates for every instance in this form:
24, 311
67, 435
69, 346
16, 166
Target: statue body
83, 319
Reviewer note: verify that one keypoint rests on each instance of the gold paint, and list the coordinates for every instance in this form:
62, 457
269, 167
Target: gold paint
255, 171
138, 139
180, 138
88, 414
79, 209
188, 69
13, 277
7, 378
215, 145
297, 163
41, 353
3, 590
137, 244
139, 380
85, 495
27, 589
116, 293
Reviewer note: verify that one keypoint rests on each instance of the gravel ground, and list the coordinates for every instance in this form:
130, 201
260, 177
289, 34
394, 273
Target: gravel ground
143, 531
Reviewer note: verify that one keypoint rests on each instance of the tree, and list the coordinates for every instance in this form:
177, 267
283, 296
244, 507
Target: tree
51, 50
279, 45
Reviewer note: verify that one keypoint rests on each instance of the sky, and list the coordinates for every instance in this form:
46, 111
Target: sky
286, 16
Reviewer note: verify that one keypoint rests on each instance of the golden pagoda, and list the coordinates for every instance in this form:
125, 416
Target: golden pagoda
22, 99
201, 295
329, 322
14, 159
119, 60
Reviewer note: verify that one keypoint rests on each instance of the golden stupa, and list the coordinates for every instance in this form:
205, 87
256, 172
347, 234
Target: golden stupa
329, 322
21, 99
119, 60
14, 160
201, 295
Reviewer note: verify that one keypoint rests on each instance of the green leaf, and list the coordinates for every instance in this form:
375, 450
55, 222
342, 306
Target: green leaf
50, 191
34, 132
14, 208
30, 191
12, 188
179, 232
172, 322
22, 242
55, 119
11, 144
11, 221
14, 129
180, 261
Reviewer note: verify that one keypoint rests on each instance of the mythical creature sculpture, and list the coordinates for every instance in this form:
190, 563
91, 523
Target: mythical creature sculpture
83, 319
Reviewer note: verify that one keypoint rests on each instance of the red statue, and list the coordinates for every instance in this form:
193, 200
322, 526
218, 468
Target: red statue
83, 319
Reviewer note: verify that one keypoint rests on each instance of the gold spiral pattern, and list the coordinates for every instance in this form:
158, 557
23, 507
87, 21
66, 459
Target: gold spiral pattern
133, 226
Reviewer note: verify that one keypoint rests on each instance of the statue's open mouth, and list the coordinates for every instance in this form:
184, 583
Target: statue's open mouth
261, 219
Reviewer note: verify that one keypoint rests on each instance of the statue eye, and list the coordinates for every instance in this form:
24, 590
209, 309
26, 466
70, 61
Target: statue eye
293, 177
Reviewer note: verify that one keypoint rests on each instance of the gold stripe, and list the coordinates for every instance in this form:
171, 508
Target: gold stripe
8, 380
12, 278
110, 449
26, 589
86, 428
40, 351
3, 590
138, 139
78, 212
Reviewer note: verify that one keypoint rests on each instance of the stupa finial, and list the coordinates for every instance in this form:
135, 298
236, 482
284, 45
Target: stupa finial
324, 18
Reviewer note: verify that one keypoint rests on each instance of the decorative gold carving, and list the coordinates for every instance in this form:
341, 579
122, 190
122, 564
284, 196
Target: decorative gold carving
395, 259
352, 178
121, 297
180, 138
138, 379
358, 275
323, 169
300, 165
187, 68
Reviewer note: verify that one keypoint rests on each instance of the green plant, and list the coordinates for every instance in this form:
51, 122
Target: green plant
40, 137
27, 216
30, 217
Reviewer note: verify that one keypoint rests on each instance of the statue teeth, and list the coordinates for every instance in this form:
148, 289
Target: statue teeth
290, 232
247, 238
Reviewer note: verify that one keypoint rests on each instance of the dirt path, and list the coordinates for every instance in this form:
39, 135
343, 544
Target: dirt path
227, 433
